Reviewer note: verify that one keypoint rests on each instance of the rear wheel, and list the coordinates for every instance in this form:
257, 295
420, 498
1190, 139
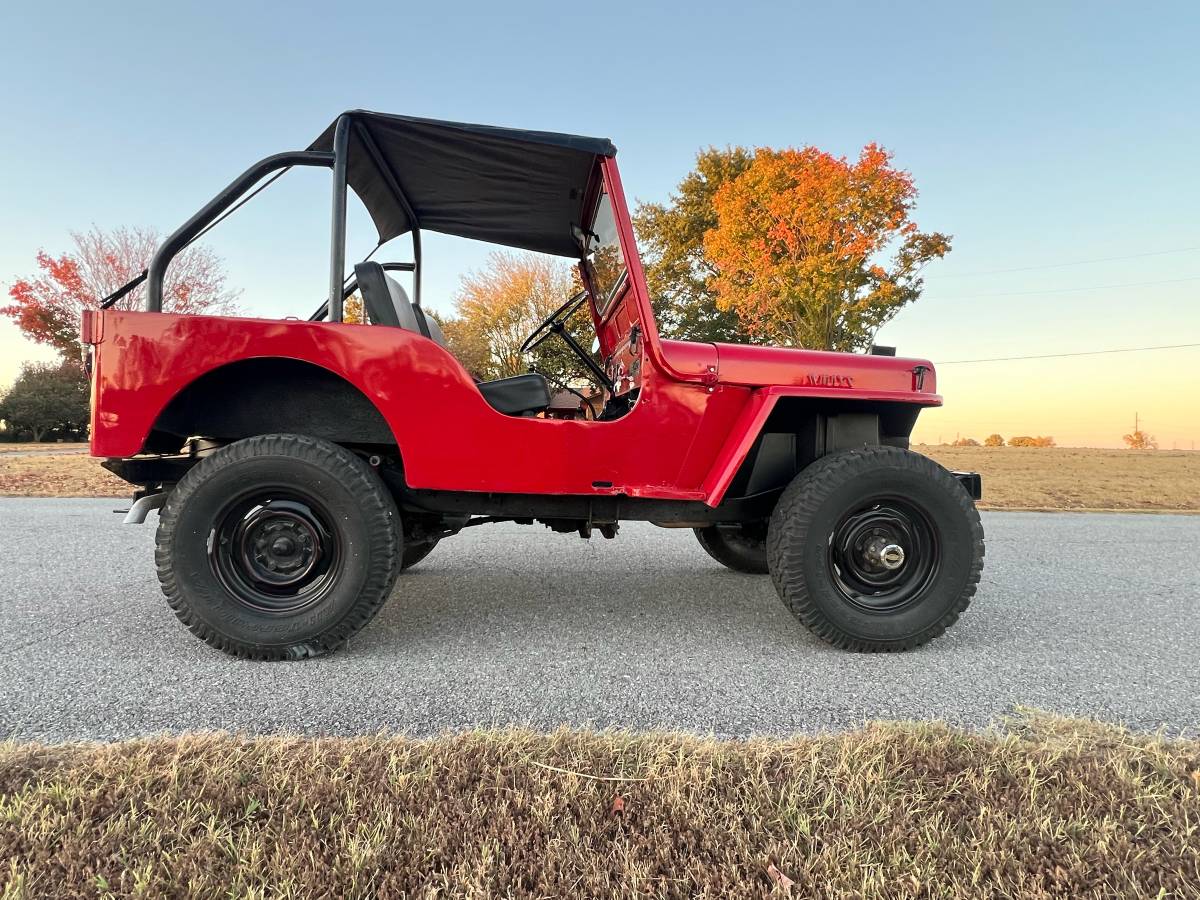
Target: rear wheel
414, 553
278, 547
875, 549
742, 548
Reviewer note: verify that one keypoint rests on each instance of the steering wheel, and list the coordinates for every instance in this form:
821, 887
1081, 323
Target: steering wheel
555, 324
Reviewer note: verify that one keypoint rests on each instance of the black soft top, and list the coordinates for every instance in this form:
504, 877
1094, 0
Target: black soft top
502, 185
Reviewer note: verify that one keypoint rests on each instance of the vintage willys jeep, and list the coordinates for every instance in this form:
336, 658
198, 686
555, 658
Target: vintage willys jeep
301, 465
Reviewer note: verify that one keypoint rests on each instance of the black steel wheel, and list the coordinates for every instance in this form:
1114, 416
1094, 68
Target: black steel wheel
883, 554
275, 550
278, 547
875, 549
742, 548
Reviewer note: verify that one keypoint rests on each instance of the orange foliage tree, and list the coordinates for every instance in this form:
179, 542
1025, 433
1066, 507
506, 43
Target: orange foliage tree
993, 440
48, 307
1025, 440
499, 305
1140, 440
816, 251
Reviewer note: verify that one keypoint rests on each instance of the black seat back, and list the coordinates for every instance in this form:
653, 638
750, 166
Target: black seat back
384, 299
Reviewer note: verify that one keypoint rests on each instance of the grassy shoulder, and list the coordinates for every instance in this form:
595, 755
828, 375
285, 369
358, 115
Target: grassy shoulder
1013, 477
1046, 807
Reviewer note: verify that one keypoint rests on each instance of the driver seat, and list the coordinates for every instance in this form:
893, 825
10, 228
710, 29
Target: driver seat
387, 303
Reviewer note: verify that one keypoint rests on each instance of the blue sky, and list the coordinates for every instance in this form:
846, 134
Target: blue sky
1037, 133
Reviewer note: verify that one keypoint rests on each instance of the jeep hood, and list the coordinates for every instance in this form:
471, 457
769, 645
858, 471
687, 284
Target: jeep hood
825, 372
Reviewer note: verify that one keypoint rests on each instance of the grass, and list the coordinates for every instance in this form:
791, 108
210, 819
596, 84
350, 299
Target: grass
57, 476
1044, 807
1013, 477
1076, 478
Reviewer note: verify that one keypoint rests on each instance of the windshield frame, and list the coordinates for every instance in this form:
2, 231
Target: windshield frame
603, 294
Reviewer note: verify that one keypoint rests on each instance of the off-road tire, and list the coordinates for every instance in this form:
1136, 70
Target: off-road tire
734, 549
800, 546
363, 519
414, 553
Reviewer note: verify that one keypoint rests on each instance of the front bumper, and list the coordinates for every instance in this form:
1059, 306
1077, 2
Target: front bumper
972, 483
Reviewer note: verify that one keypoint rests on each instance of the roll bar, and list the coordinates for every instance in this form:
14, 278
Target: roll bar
188, 231
335, 160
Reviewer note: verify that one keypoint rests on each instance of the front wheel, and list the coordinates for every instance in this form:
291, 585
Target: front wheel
278, 547
875, 549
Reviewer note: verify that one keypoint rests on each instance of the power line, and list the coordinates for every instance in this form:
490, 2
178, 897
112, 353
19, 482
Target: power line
952, 362
1078, 262
1095, 287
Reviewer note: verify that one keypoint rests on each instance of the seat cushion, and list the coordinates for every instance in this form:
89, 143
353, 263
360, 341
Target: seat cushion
516, 395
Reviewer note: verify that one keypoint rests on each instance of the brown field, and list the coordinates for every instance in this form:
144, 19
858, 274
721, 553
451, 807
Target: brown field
26, 448
57, 476
1076, 478
1043, 808
1013, 477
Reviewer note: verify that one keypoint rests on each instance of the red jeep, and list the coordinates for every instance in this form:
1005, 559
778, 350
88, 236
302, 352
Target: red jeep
301, 465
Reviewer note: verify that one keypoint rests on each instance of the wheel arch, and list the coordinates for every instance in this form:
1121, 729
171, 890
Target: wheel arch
270, 395
779, 434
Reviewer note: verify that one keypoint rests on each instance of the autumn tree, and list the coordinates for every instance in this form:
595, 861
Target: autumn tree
352, 310
48, 398
679, 273
1025, 440
498, 306
816, 251
993, 440
47, 307
965, 442
466, 343
1140, 440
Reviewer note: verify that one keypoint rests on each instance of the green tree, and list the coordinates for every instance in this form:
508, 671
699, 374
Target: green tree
48, 398
680, 275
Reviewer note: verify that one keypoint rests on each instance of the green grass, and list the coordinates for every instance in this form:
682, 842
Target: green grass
1044, 807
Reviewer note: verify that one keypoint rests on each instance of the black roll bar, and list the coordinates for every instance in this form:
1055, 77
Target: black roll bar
337, 161
193, 226
337, 232
393, 183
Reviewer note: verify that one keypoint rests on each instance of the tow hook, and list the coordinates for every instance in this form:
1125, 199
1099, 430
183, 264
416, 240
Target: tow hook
142, 504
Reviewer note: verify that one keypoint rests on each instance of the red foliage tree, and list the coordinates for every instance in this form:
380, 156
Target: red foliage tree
47, 307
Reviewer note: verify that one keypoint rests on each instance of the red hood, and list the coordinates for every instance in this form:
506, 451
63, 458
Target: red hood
776, 366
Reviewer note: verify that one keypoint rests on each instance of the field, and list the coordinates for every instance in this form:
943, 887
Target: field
1046, 807
1013, 477
1075, 478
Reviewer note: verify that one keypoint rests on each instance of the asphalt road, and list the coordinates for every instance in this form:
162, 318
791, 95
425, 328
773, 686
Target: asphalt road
1088, 614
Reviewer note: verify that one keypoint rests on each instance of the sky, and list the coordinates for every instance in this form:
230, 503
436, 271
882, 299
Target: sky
1057, 143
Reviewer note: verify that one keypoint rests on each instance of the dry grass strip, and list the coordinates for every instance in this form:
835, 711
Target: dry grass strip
1042, 808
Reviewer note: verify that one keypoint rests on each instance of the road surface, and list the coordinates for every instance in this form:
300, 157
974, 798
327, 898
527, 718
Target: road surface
1089, 614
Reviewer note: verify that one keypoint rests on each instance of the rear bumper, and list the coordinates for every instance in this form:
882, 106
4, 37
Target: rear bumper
972, 483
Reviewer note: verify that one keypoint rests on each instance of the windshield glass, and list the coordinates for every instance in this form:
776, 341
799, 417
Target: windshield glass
604, 260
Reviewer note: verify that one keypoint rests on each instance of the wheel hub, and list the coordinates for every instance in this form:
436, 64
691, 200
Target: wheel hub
281, 546
274, 553
882, 555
